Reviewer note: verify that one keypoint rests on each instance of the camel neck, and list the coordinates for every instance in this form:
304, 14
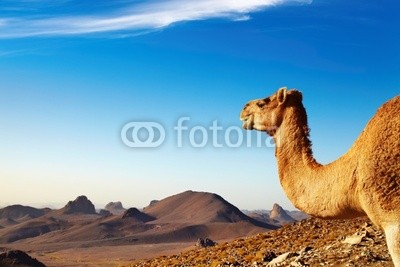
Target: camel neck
293, 142
311, 186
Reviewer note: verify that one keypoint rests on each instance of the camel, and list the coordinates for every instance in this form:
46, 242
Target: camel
364, 181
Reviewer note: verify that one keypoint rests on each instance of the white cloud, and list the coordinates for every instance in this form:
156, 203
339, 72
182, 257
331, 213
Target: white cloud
3, 22
143, 17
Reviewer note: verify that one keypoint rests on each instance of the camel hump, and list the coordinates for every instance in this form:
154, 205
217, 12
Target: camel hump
380, 154
392, 107
385, 125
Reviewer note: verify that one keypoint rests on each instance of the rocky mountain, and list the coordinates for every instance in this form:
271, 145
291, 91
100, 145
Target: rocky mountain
115, 208
153, 202
279, 214
135, 214
18, 212
18, 258
105, 213
197, 208
81, 209
81, 205
184, 217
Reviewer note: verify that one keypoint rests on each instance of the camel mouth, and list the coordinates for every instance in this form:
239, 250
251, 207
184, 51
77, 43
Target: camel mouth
248, 123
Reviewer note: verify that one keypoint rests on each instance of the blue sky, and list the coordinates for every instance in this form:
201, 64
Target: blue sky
72, 73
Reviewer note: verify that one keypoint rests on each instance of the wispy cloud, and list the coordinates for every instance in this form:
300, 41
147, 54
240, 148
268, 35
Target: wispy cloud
14, 53
135, 17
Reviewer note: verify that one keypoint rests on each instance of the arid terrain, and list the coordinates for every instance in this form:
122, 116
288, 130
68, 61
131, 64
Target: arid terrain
77, 234
168, 233
311, 242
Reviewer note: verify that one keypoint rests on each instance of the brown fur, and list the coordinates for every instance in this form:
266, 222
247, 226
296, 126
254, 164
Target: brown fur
366, 180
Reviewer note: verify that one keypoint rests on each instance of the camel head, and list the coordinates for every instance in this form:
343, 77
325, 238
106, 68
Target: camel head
267, 114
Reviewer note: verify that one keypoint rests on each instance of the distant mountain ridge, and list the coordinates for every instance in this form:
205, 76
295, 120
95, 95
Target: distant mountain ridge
115, 208
277, 216
134, 213
15, 212
80, 205
198, 207
182, 217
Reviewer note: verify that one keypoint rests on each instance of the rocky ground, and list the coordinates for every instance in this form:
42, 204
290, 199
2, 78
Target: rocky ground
17, 258
311, 242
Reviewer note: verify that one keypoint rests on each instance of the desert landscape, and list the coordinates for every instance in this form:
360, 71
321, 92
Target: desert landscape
77, 234
199, 133
173, 231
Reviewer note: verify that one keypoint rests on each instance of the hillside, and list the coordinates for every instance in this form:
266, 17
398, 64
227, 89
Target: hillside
311, 242
81, 205
17, 258
39, 223
31, 228
184, 217
279, 214
175, 224
115, 208
20, 212
198, 208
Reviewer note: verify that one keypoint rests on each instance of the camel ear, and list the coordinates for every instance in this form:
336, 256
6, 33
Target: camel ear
295, 94
300, 96
281, 95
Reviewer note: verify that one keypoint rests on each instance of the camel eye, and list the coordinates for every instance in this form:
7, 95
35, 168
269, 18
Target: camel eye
263, 102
